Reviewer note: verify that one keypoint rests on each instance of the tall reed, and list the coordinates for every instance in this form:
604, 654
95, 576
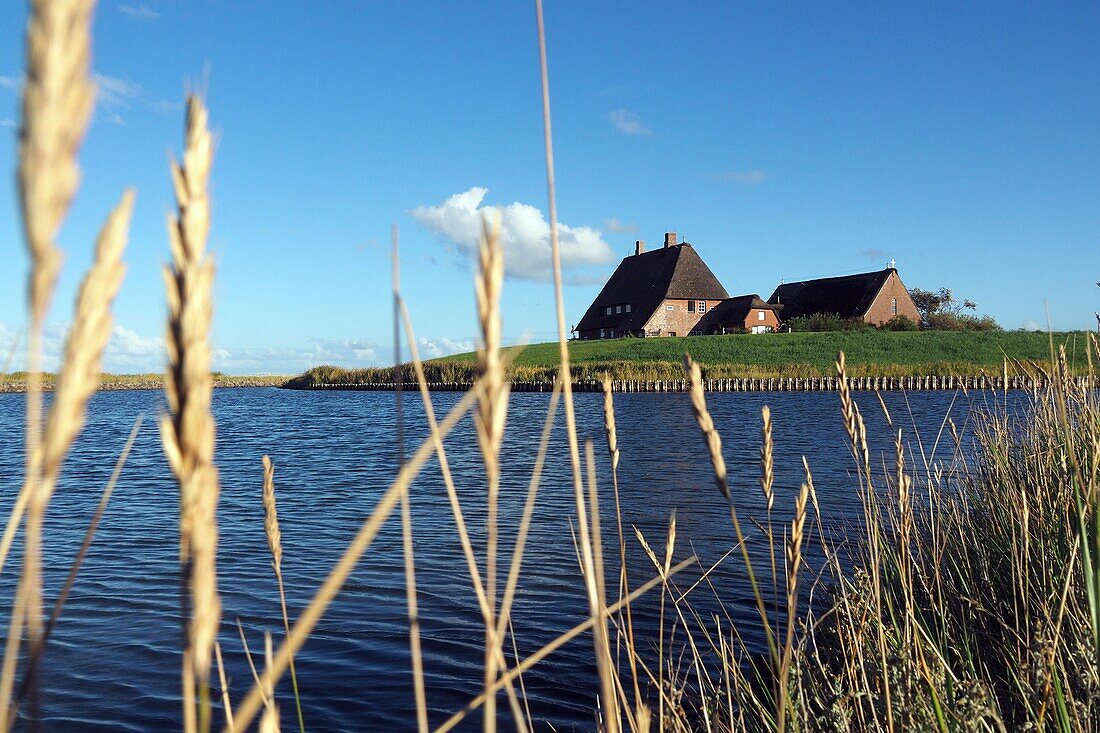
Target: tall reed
187, 433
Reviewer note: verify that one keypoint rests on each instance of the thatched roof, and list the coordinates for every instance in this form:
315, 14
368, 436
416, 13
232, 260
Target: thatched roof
645, 280
848, 296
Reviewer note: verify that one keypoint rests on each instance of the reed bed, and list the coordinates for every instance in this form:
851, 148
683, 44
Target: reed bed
966, 597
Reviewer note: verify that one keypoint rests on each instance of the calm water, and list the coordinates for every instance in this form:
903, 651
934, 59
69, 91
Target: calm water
113, 661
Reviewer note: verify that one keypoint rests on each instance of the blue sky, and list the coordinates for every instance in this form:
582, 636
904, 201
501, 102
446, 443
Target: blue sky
783, 140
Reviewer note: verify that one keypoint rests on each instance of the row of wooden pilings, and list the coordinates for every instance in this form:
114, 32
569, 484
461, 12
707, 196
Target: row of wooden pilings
750, 384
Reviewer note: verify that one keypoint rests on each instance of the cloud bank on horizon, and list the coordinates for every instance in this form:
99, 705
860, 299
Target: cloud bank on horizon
128, 352
524, 231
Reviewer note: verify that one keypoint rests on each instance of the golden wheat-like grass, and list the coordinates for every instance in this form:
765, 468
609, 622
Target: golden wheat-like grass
767, 468
489, 418
58, 97
187, 434
275, 545
75, 385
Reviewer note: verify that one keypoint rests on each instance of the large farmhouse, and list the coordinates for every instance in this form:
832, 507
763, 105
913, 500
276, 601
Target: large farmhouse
660, 293
672, 292
874, 297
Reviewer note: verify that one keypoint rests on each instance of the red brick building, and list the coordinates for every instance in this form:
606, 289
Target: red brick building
874, 297
665, 292
741, 314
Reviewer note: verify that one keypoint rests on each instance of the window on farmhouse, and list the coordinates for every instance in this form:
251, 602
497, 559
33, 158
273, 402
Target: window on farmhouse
691, 306
603, 333
760, 315
670, 307
894, 306
702, 306
618, 309
627, 307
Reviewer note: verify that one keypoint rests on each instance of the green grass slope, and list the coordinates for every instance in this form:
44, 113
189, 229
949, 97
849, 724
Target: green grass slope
815, 351
869, 353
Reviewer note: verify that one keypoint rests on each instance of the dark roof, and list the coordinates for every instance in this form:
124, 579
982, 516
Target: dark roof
645, 281
848, 296
733, 311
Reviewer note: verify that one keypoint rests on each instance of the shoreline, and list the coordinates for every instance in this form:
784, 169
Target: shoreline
148, 384
744, 384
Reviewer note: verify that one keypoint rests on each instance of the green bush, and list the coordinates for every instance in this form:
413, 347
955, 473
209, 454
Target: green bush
900, 323
816, 322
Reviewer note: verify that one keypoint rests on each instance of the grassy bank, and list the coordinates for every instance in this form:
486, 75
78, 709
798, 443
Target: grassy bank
870, 354
17, 381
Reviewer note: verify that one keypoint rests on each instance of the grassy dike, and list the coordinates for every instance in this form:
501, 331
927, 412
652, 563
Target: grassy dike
870, 354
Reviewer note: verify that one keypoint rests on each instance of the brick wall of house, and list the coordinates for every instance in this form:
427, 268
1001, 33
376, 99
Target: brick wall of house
753, 319
881, 309
678, 320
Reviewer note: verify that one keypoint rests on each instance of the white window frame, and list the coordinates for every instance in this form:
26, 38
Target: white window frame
670, 307
603, 333
894, 306
618, 309
627, 307
760, 316
701, 306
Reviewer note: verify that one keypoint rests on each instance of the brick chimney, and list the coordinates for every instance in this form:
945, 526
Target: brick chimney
639, 247
670, 239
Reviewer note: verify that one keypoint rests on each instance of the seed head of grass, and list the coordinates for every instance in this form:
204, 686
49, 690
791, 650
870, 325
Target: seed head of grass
706, 424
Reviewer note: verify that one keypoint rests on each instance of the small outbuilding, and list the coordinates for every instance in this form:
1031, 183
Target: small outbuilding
741, 314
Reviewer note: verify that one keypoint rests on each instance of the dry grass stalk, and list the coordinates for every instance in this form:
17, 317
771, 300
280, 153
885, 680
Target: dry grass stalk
794, 567
227, 706
767, 468
75, 385
718, 464
58, 96
556, 644
592, 552
188, 433
275, 544
269, 721
492, 410
311, 615
460, 521
624, 584
564, 374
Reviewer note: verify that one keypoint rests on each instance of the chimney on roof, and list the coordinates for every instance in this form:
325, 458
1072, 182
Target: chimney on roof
639, 247
670, 239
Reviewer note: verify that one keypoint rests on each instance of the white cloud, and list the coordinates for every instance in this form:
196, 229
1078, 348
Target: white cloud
7, 122
11, 83
128, 352
628, 123
615, 226
139, 11
443, 346
524, 231
746, 177
1031, 325
350, 353
115, 92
